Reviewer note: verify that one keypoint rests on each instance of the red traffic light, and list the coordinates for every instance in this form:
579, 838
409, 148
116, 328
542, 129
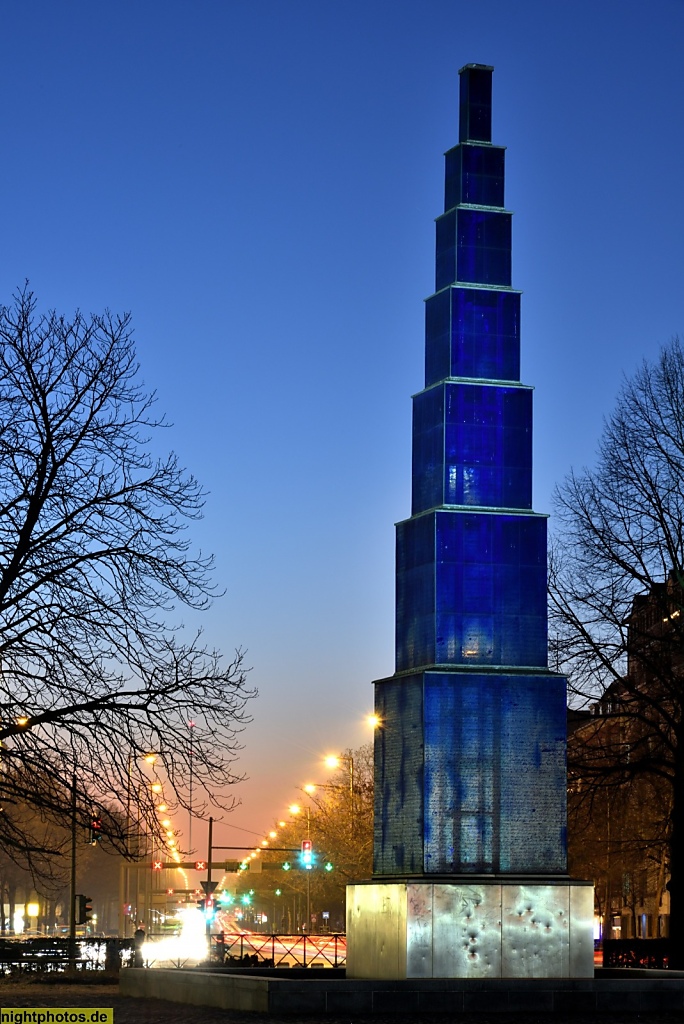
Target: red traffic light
307, 845
200, 865
157, 865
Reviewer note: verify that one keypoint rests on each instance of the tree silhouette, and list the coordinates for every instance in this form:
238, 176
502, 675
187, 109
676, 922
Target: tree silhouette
95, 671
616, 608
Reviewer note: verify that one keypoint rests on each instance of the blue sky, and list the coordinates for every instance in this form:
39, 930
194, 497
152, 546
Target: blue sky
257, 182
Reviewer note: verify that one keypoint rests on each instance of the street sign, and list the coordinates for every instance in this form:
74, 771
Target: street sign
220, 865
208, 887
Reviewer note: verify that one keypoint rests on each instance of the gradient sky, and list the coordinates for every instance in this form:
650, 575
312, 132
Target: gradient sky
256, 181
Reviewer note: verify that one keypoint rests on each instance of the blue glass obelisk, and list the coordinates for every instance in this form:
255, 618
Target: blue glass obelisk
470, 769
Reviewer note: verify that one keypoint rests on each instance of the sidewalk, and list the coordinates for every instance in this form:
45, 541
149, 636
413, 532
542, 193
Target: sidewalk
152, 1011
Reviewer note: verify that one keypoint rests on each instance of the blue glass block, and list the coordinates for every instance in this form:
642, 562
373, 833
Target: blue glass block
482, 175
474, 175
437, 337
478, 589
477, 536
445, 250
532, 800
415, 542
398, 831
481, 560
485, 335
472, 446
415, 593
473, 246
475, 105
428, 450
494, 773
483, 247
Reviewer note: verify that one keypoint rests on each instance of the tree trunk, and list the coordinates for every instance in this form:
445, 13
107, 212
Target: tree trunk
676, 883
660, 885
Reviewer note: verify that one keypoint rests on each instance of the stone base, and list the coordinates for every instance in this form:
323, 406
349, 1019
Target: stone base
628, 992
470, 928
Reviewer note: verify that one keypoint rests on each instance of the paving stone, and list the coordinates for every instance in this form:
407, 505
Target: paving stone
158, 1011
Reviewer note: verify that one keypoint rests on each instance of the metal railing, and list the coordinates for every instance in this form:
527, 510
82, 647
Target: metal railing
250, 949
653, 953
40, 955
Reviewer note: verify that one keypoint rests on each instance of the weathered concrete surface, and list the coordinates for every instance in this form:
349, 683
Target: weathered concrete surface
470, 929
275, 995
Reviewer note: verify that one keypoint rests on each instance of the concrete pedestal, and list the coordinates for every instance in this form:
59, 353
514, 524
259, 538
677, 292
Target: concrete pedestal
530, 928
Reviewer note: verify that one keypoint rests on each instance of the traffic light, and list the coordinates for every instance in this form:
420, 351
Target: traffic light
208, 907
83, 909
306, 855
95, 831
287, 866
328, 866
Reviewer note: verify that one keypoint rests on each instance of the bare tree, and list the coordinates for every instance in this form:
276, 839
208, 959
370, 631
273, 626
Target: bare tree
94, 562
338, 818
616, 592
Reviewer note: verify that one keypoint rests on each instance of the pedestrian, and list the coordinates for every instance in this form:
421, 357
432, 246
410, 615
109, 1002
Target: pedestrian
138, 940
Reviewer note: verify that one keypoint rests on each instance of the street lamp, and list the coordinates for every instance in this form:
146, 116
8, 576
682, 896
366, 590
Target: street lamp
295, 809
133, 841
191, 728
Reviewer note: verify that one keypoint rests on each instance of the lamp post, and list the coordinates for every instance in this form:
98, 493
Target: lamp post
125, 878
295, 809
191, 727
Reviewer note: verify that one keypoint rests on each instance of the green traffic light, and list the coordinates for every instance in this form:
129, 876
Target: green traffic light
279, 892
246, 899
286, 866
328, 866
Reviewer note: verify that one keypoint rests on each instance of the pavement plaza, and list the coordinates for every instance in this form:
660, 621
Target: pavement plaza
155, 1011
